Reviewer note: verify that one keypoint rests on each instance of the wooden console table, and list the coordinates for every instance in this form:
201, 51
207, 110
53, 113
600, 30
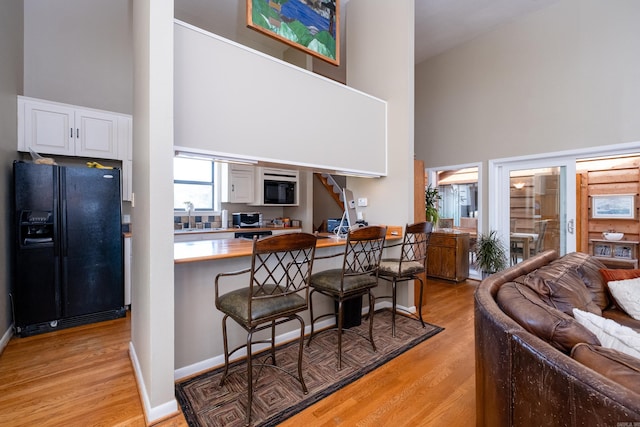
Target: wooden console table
616, 253
448, 255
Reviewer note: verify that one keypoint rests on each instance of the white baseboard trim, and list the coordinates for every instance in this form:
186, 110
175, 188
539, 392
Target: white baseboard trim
4, 341
156, 413
388, 304
218, 360
214, 362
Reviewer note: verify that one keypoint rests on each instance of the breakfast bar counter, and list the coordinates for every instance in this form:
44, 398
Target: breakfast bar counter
197, 322
207, 250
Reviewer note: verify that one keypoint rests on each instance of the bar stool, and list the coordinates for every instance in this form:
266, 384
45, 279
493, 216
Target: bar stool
357, 276
410, 266
278, 289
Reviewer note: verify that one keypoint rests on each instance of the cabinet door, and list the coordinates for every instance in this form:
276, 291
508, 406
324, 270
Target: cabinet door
54, 128
435, 261
127, 271
96, 134
241, 186
449, 258
195, 236
441, 256
127, 180
46, 128
236, 183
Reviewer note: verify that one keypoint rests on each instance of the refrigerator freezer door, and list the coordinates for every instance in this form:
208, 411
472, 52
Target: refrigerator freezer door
92, 245
35, 289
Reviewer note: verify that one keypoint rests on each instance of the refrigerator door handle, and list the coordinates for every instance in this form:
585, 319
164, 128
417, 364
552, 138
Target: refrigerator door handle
62, 237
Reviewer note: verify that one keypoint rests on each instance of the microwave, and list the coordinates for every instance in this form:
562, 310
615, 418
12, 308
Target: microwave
276, 186
279, 192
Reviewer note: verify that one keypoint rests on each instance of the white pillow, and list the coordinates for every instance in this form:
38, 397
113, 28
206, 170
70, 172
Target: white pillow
627, 295
611, 334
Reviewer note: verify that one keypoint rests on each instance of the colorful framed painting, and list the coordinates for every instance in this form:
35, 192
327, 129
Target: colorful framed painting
619, 206
313, 26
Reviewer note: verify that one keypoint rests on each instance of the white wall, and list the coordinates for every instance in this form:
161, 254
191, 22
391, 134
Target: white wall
10, 85
152, 300
235, 101
79, 52
386, 72
562, 78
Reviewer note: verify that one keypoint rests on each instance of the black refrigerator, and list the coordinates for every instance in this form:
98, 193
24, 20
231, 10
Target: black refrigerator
68, 258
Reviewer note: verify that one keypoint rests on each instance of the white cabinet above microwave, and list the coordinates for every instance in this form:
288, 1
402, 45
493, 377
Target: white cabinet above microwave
236, 183
276, 187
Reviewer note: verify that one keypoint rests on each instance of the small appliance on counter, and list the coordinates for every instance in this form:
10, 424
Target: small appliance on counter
247, 219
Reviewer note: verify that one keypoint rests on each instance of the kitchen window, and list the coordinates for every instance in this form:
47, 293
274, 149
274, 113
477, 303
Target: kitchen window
193, 181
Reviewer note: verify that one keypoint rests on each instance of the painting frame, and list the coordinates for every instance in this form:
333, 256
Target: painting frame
312, 26
613, 206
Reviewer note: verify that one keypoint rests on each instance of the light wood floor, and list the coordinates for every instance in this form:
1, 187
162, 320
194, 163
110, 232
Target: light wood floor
83, 377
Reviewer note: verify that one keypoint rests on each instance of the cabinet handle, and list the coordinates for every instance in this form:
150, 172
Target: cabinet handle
71, 136
78, 133
233, 187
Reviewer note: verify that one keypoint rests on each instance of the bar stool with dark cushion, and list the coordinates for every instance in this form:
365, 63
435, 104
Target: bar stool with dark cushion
278, 289
410, 266
354, 279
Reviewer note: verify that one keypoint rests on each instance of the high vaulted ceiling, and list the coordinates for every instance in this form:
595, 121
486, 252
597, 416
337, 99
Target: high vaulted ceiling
439, 24
443, 24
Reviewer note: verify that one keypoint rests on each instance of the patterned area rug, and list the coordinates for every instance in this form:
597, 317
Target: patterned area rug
278, 396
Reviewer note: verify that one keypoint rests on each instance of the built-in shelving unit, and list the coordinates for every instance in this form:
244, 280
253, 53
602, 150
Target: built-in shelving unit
620, 253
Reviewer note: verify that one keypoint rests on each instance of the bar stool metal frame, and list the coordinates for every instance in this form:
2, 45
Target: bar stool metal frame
411, 264
278, 289
357, 276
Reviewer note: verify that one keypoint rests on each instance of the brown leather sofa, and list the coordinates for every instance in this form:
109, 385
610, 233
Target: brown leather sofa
535, 365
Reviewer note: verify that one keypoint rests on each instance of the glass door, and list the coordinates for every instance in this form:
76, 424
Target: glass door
459, 191
536, 207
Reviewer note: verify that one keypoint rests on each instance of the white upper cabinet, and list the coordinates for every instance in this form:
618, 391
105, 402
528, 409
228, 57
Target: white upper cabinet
45, 128
96, 134
236, 183
55, 128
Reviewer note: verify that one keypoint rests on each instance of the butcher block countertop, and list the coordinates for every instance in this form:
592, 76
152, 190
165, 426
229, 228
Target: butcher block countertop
208, 250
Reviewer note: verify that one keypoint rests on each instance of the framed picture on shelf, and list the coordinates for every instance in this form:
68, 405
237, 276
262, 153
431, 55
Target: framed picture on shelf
619, 206
602, 249
622, 251
310, 26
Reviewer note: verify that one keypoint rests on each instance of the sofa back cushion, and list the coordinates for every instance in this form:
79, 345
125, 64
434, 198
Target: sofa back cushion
547, 323
572, 281
617, 366
588, 268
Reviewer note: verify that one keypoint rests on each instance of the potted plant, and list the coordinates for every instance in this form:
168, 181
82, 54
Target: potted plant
491, 254
431, 197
